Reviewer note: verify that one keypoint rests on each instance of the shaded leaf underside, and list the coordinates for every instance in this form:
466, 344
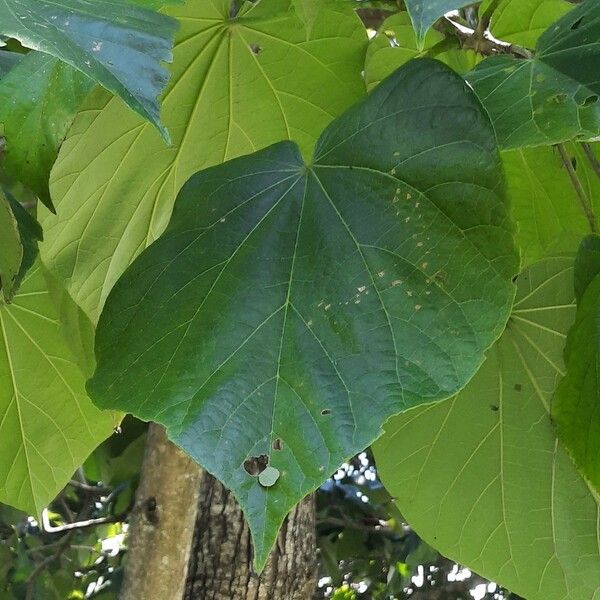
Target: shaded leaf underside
483, 478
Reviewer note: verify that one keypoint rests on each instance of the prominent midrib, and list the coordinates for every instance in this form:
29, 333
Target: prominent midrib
17, 405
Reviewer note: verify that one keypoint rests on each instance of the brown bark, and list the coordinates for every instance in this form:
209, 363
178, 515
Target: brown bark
162, 522
221, 560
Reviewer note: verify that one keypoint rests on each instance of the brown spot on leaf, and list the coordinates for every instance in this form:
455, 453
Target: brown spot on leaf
255, 465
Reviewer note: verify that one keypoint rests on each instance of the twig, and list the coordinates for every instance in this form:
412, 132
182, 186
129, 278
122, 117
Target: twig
84, 524
581, 195
594, 162
30, 581
91, 489
487, 44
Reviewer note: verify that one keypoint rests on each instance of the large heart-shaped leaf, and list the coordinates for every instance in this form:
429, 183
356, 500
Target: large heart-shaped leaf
544, 202
294, 307
552, 97
48, 426
232, 92
576, 407
522, 22
114, 42
38, 101
482, 477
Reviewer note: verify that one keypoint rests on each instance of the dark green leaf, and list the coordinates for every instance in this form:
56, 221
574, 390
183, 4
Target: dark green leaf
293, 308
116, 43
38, 101
424, 13
20, 233
587, 264
576, 406
11, 253
552, 97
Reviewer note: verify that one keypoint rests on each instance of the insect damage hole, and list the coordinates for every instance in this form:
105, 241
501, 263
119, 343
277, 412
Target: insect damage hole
278, 444
255, 465
326, 411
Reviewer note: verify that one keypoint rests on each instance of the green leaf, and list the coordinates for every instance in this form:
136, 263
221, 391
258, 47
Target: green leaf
576, 406
231, 93
297, 307
116, 43
38, 101
394, 45
482, 477
48, 425
587, 265
522, 22
30, 233
424, 13
11, 253
21, 233
7, 61
553, 97
544, 203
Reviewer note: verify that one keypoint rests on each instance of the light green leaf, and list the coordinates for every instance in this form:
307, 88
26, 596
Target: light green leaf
544, 203
48, 425
11, 253
482, 477
116, 43
553, 97
38, 101
232, 92
308, 11
395, 44
576, 407
522, 22
424, 13
297, 307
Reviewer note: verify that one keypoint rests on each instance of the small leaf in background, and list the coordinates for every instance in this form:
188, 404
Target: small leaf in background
482, 476
117, 44
48, 425
294, 308
576, 406
38, 101
522, 22
394, 45
544, 203
228, 96
552, 97
424, 13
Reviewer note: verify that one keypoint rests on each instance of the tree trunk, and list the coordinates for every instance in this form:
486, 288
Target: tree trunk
221, 559
188, 539
162, 522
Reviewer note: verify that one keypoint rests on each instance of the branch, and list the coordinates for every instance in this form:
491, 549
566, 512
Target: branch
581, 195
594, 162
